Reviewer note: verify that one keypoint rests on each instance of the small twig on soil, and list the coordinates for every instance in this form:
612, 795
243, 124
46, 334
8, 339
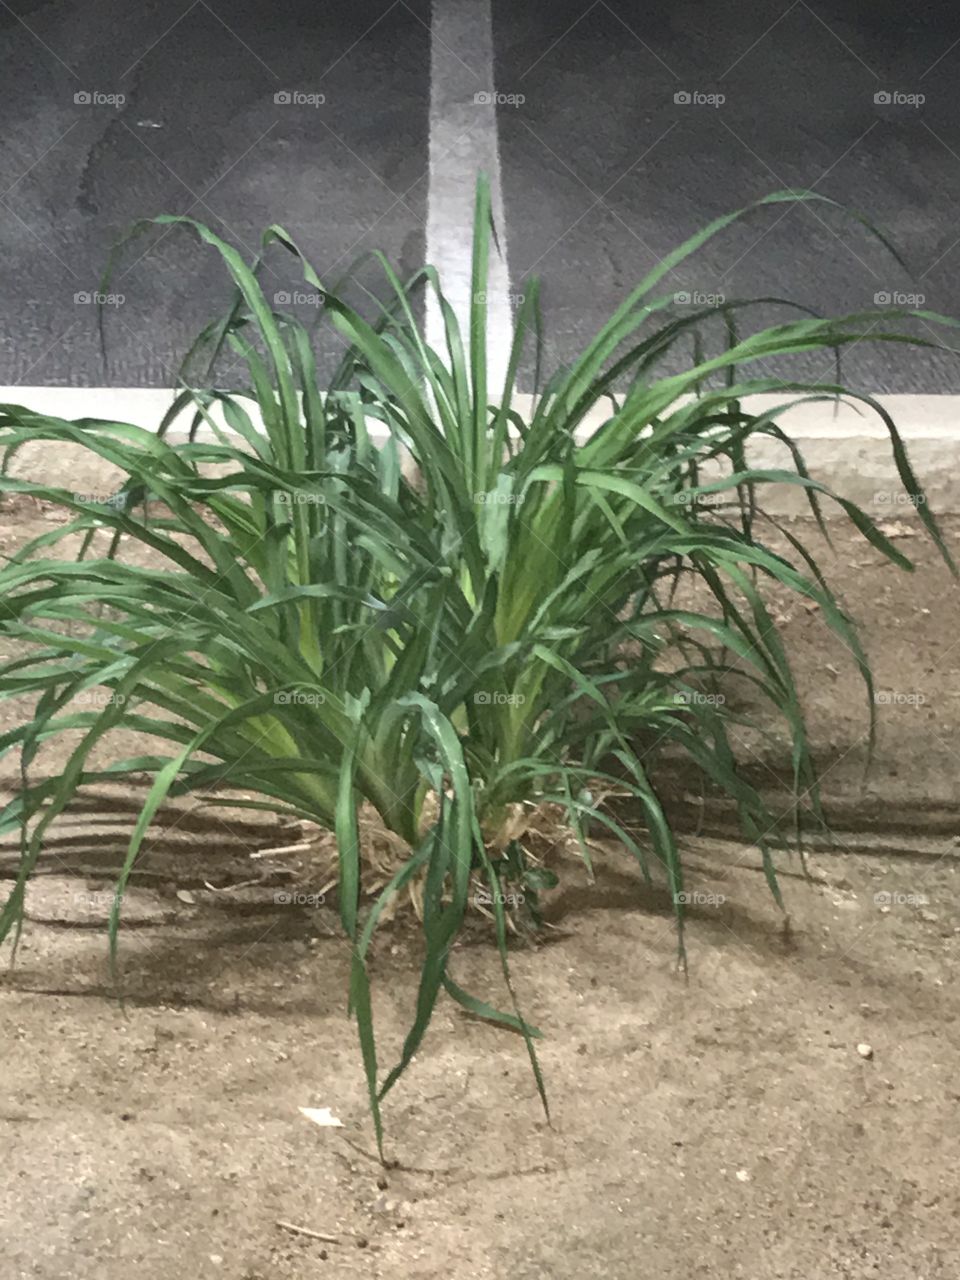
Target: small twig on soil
302, 847
306, 1231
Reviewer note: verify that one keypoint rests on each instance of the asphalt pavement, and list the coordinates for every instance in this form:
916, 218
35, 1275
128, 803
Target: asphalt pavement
641, 123
623, 128
242, 115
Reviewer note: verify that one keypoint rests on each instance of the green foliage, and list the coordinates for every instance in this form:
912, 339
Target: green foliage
324, 629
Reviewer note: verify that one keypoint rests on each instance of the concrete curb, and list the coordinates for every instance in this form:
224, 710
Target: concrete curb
846, 446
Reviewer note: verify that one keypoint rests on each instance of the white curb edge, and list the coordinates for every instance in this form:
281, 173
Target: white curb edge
846, 446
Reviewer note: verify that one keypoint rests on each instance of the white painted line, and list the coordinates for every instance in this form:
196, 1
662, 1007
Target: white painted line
463, 142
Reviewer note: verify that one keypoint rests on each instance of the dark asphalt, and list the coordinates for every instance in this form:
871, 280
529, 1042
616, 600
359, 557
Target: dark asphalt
200, 132
603, 171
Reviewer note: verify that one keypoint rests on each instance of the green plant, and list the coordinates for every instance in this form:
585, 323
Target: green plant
327, 631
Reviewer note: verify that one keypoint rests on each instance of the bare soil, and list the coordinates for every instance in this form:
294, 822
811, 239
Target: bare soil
786, 1110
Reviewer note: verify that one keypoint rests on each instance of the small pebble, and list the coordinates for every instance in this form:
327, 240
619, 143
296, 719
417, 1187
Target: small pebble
865, 1050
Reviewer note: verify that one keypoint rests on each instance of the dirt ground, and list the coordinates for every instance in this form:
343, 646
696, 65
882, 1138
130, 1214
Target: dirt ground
787, 1110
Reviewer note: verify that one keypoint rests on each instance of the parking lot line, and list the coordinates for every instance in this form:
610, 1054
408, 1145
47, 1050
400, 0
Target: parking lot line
463, 141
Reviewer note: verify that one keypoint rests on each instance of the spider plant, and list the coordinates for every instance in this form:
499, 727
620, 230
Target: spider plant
402, 593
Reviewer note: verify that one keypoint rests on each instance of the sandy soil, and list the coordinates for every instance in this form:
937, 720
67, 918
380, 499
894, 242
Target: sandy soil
786, 1111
